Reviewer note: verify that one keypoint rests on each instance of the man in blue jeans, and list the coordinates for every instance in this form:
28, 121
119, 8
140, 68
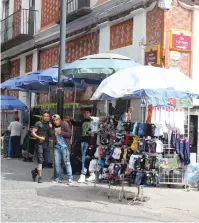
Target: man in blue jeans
62, 134
85, 124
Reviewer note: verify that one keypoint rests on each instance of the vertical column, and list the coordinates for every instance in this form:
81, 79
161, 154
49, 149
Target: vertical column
104, 37
23, 95
139, 32
195, 55
195, 46
11, 11
38, 9
34, 68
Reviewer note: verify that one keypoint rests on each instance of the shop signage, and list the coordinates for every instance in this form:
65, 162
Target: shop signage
152, 55
181, 103
175, 55
180, 40
168, 163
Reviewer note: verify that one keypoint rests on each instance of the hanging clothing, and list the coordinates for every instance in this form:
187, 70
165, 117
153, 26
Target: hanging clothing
94, 124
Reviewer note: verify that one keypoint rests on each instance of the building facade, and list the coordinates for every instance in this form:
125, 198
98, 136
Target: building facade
159, 32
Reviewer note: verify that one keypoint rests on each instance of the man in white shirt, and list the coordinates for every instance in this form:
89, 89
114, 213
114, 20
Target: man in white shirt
15, 128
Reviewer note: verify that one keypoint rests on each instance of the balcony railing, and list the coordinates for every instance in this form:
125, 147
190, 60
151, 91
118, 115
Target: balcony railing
20, 25
76, 9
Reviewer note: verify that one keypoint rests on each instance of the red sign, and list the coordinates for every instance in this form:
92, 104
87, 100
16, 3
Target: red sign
180, 40
172, 101
152, 55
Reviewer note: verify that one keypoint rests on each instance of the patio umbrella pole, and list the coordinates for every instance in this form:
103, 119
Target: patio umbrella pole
188, 114
29, 109
74, 101
49, 98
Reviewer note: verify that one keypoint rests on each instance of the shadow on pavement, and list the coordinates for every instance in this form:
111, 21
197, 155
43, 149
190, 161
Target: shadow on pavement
81, 194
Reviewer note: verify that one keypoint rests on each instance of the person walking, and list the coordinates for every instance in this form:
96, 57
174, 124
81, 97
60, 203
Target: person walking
62, 136
14, 148
41, 132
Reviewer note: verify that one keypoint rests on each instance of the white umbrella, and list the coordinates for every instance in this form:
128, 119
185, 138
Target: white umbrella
94, 68
146, 81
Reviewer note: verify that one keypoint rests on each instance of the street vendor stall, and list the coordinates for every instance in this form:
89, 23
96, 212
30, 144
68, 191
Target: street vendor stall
159, 152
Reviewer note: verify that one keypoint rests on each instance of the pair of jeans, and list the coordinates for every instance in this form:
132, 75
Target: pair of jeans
43, 153
84, 146
62, 153
10, 151
16, 146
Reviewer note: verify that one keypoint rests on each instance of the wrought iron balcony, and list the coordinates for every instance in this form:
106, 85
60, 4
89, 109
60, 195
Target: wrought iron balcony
76, 9
17, 28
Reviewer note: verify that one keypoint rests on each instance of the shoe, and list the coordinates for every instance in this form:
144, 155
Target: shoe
9, 158
57, 181
82, 179
34, 175
40, 180
91, 178
70, 181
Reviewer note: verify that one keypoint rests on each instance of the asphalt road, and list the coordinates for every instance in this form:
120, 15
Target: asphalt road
25, 201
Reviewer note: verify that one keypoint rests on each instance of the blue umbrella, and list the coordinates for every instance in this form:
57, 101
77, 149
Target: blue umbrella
44, 80
30, 82
11, 84
30, 77
11, 103
94, 68
50, 75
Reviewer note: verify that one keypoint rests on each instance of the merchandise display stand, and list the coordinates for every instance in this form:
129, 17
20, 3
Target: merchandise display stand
151, 175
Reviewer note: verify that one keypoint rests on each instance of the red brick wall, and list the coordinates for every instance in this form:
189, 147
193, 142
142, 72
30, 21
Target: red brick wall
121, 34
155, 26
48, 58
17, 17
178, 18
15, 71
75, 49
29, 63
17, 5
83, 46
159, 23
49, 12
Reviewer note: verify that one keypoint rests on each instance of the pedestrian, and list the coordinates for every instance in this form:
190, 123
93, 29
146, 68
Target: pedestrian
41, 132
62, 136
85, 124
14, 148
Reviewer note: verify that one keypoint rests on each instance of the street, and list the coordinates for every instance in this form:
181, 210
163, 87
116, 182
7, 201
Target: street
27, 201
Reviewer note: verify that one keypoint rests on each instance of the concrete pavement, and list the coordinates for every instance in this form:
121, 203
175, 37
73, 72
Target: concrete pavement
27, 201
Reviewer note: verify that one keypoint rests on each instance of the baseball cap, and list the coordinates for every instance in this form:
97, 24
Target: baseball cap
56, 116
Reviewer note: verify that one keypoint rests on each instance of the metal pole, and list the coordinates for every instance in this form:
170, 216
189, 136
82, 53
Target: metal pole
74, 101
62, 56
188, 120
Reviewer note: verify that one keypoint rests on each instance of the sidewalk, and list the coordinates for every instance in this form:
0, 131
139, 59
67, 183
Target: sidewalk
172, 205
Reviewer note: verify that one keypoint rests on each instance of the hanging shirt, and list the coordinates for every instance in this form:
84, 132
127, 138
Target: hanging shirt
94, 124
159, 146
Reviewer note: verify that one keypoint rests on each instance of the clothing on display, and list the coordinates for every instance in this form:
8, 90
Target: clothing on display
94, 124
136, 149
168, 119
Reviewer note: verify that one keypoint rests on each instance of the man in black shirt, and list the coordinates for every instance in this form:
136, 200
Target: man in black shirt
41, 132
85, 124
